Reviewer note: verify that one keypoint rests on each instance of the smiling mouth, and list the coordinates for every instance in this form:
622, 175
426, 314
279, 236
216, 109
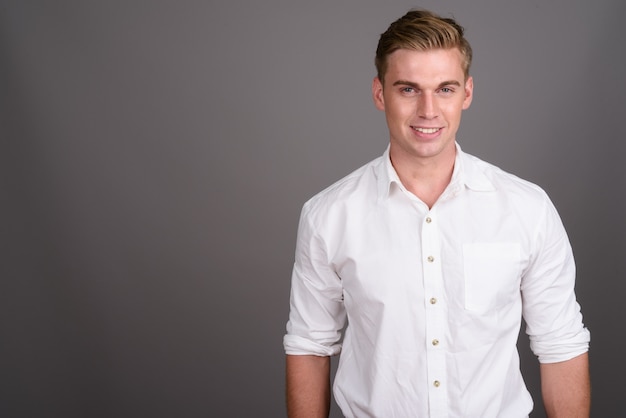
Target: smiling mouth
426, 130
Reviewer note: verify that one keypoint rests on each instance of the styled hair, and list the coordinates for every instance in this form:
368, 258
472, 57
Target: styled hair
421, 30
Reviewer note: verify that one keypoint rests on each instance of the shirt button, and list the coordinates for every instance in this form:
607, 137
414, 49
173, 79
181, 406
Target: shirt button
435, 342
428, 220
430, 258
433, 301
436, 383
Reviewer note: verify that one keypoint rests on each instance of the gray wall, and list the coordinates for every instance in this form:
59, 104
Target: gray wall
155, 157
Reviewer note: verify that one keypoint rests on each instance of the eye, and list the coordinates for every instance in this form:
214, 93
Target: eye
407, 90
448, 90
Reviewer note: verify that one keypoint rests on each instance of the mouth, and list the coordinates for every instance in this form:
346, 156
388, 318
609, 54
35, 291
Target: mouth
426, 130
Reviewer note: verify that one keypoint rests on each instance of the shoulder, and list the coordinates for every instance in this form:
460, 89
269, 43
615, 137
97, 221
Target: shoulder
506, 199
504, 182
352, 190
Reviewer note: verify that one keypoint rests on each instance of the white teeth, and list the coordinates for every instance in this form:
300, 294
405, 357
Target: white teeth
427, 130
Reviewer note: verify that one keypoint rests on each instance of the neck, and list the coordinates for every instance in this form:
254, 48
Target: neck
426, 178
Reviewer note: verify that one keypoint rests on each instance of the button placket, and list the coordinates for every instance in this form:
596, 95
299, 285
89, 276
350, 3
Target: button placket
435, 311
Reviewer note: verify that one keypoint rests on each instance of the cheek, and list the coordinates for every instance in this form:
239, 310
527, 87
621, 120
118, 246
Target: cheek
401, 109
453, 112
393, 119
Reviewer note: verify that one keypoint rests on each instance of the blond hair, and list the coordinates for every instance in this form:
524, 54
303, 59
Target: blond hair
421, 30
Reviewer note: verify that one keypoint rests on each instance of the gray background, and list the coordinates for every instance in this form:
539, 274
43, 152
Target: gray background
155, 157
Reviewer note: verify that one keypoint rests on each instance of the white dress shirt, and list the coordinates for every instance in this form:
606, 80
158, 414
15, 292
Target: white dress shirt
433, 298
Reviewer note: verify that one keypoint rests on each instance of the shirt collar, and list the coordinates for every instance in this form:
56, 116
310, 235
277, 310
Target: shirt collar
467, 173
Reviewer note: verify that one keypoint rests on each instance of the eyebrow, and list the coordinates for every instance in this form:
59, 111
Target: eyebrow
416, 86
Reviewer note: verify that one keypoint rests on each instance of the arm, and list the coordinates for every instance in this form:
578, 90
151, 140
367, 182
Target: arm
554, 322
308, 386
566, 389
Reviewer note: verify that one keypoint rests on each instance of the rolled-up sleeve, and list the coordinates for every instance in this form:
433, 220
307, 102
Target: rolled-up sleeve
552, 314
317, 314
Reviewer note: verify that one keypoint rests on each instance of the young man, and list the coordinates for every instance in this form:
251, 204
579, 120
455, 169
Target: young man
432, 257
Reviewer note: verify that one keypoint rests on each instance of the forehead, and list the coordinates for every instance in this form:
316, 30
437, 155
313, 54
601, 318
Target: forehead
423, 67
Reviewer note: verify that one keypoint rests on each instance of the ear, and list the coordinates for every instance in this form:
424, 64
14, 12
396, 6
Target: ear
469, 92
377, 94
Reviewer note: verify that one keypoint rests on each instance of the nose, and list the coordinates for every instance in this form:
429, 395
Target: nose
427, 107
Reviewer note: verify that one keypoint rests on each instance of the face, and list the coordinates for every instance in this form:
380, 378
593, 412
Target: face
423, 96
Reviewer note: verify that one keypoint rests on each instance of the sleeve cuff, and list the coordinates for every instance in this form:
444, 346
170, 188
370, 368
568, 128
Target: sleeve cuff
296, 345
549, 352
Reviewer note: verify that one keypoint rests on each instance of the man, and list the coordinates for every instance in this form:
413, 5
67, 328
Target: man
431, 256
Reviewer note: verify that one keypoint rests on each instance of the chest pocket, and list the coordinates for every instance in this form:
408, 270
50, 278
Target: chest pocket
492, 274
